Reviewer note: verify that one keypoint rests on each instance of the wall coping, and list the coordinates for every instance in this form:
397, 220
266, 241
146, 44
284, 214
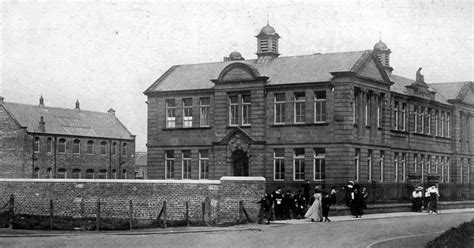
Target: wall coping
49, 180
242, 179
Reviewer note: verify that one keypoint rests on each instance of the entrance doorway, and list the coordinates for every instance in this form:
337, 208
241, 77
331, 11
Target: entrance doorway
240, 161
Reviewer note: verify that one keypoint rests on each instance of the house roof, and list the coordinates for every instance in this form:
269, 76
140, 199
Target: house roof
281, 70
450, 90
64, 121
400, 83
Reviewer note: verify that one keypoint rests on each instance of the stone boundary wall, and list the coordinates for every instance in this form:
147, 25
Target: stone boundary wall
79, 197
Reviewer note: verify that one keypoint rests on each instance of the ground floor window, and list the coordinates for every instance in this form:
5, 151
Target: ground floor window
279, 164
298, 164
203, 164
186, 164
102, 174
169, 164
36, 173
319, 163
76, 173
62, 173
90, 174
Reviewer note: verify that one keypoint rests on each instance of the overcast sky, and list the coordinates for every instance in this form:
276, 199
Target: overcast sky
106, 54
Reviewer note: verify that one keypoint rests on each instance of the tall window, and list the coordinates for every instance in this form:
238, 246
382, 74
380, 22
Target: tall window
469, 171
186, 164
169, 164
448, 115
124, 149
49, 145
299, 107
422, 165
36, 145
90, 147
280, 108
124, 174
233, 110
320, 106
114, 174
442, 124
356, 106
403, 162
319, 163
429, 164
395, 115
62, 173
379, 110
369, 166
395, 165
102, 174
404, 117
103, 148
170, 113
435, 120
76, 147
36, 173
114, 148
448, 165
461, 174
382, 164
279, 164
298, 165
426, 120
415, 162
49, 173
421, 116
187, 112
204, 164
357, 164
62, 146
246, 109
76, 173
367, 109
415, 118
89, 174
204, 107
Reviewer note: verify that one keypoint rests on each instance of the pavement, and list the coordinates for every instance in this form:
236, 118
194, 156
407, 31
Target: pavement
15, 233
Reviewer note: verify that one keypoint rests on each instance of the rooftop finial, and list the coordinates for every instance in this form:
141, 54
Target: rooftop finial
41, 101
77, 104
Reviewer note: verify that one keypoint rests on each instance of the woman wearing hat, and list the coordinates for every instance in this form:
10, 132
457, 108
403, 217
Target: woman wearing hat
417, 199
315, 211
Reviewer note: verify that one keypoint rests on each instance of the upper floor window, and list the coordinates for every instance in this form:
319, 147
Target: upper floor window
279, 164
124, 149
49, 145
396, 115
170, 113
62, 173
62, 146
89, 174
357, 164
36, 145
319, 164
320, 106
233, 110
427, 121
299, 107
187, 112
447, 134
76, 146
379, 110
102, 174
103, 148
36, 173
90, 147
114, 148
280, 108
442, 131
76, 173
368, 106
246, 109
204, 107
356, 106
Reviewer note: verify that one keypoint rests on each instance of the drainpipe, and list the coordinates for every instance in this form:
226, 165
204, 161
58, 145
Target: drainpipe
33, 156
110, 159
54, 156
120, 160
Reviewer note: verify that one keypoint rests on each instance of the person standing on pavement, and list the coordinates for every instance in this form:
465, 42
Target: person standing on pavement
333, 196
417, 199
357, 203
278, 203
349, 189
300, 205
365, 196
315, 211
326, 204
433, 195
265, 209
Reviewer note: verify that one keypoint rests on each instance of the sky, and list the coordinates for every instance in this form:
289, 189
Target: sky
106, 53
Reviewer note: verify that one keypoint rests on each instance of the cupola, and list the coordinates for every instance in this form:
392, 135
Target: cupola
382, 52
267, 44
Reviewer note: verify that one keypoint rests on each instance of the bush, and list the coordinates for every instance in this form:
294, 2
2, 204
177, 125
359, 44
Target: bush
456, 237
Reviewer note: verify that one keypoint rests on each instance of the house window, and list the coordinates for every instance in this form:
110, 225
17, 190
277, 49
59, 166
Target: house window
170, 113
415, 119
469, 171
422, 165
62, 146
427, 120
299, 107
169, 164
395, 165
379, 110
62, 173
319, 163
76, 146
114, 148
36, 173
448, 167
356, 106
90, 147
320, 106
76, 173
298, 164
49, 173
102, 174
382, 164
280, 108
396, 117
187, 112
124, 174
429, 165
448, 115
204, 107
103, 148
436, 124
204, 164
246, 109
357, 164
186, 164
442, 124
367, 110
49, 145
369, 165
114, 174
233, 110
403, 162
36, 145
422, 115
415, 162
279, 164
90, 174
124, 149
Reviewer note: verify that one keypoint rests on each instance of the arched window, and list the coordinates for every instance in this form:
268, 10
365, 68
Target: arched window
90, 147
90, 174
124, 174
49, 145
62, 173
36, 173
36, 145
102, 174
49, 173
76, 173
124, 149
114, 148
114, 174
62, 146
103, 148
76, 147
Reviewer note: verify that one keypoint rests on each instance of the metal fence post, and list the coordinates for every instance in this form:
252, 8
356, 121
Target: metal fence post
241, 210
131, 215
11, 209
164, 214
51, 214
97, 220
187, 213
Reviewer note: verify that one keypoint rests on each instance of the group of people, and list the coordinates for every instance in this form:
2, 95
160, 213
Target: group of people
281, 205
356, 198
430, 199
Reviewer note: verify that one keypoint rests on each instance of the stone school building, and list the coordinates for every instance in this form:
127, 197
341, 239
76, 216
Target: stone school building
326, 118
40, 141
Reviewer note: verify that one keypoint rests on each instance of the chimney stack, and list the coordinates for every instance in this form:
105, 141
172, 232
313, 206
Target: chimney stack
1, 100
111, 111
41, 103
77, 104
41, 125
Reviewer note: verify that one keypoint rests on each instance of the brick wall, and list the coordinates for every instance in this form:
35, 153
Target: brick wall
78, 198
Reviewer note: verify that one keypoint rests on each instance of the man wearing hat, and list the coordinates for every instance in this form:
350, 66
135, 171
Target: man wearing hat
417, 199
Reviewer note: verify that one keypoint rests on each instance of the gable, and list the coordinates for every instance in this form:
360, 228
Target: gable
468, 96
238, 72
370, 70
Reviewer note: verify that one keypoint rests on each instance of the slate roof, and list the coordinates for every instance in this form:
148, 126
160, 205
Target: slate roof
64, 121
450, 90
281, 70
400, 83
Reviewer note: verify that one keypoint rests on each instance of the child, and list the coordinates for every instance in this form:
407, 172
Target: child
326, 203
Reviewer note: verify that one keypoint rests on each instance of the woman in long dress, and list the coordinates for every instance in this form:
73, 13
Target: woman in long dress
315, 211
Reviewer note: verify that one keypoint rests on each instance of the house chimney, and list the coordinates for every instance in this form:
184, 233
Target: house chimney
77, 104
41, 125
111, 111
41, 101
1, 99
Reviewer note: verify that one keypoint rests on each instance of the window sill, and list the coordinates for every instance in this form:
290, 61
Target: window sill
243, 127
300, 124
185, 128
423, 134
398, 131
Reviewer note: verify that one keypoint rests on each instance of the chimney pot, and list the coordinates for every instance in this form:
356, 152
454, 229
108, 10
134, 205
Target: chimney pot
77, 105
1, 99
42, 125
111, 111
41, 101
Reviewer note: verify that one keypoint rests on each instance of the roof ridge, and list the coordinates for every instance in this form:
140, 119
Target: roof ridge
53, 107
